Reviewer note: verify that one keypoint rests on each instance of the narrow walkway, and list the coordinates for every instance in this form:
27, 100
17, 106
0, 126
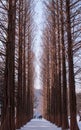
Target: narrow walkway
38, 124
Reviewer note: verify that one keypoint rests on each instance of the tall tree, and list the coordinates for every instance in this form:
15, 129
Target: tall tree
65, 124
73, 120
8, 121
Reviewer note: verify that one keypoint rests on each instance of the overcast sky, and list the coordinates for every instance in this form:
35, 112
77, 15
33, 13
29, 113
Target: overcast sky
39, 20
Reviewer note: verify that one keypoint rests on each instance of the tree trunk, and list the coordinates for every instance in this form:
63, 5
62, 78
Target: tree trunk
19, 96
8, 119
65, 124
73, 120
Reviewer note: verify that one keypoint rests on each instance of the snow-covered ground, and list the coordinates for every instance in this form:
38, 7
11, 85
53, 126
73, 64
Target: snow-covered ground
38, 124
79, 122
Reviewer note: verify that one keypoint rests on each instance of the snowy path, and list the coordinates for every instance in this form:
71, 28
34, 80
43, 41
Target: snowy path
38, 124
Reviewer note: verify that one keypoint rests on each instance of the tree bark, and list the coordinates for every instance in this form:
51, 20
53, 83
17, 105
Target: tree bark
73, 120
8, 117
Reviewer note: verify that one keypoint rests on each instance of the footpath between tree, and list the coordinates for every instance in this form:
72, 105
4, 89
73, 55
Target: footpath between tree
42, 124
39, 124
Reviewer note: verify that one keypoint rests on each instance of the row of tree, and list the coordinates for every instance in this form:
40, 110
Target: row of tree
16, 63
61, 44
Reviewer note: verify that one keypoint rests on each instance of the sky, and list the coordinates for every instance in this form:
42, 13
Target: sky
38, 19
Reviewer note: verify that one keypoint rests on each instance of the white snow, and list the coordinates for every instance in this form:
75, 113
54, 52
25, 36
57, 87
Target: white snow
39, 124
79, 122
42, 124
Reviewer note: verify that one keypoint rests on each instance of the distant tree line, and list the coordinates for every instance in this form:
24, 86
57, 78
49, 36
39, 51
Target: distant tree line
16, 63
60, 67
